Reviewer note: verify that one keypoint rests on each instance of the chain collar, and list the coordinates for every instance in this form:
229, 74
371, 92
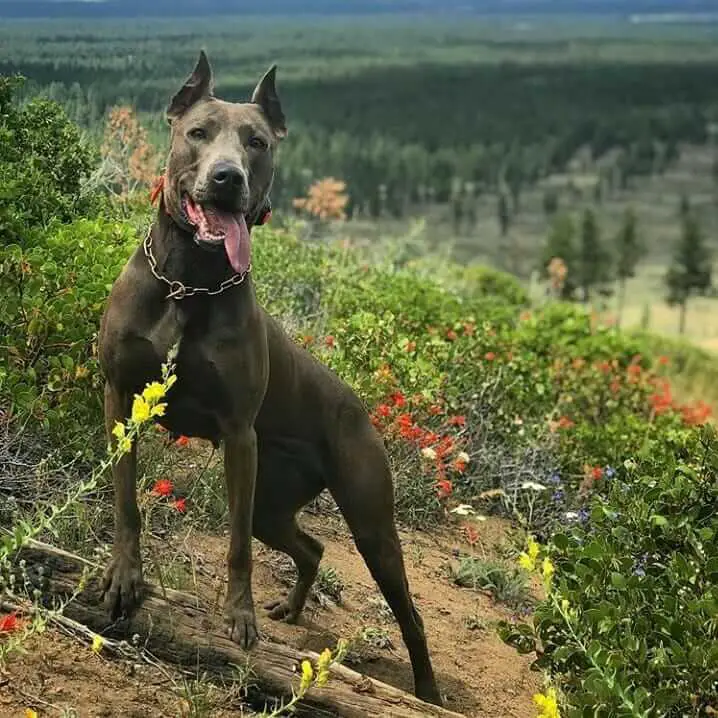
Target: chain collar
177, 290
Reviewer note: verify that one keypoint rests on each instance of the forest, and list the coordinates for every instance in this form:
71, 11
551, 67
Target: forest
407, 114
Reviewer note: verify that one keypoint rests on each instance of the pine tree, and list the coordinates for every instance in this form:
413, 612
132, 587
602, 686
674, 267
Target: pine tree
504, 213
593, 261
691, 270
628, 253
561, 244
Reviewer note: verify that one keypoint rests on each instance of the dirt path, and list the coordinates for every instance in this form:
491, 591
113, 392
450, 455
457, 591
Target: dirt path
479, 675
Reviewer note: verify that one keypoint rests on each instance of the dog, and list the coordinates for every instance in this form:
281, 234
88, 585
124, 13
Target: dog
289, 426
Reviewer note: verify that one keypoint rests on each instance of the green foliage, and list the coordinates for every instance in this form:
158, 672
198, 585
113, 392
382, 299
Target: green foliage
631, 627
43, 164
561, 244
505, 583
594, 262
629, 247
52, 296
691, 270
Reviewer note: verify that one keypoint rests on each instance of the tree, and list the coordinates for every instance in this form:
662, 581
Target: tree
561, 244
691, 270
504, 213
593, 266
628, 251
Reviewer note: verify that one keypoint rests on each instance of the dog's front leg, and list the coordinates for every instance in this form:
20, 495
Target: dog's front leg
240, 471
122, 584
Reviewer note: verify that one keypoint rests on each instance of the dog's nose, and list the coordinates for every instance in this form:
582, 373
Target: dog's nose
227, 177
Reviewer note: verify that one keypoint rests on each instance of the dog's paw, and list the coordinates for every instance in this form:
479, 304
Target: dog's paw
122, 586
241, 626
282, 611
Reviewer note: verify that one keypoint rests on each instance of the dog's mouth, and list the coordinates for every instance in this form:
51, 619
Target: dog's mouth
215, 227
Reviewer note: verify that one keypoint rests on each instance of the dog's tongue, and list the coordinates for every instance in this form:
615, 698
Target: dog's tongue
236, 240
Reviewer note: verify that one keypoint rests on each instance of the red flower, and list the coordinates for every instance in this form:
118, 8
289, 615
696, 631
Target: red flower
662, 400
460, 465
615, 386
180, 505
444, 488
182, 441
163, 487
664, 360
383, 410
435, 409
565, 423
696, 414
596, 473
451, 335
634, 373
9, 623
604, 366
398, 398
489, 356
405, 420
410, 347
329, 341
471, 535
429, 438
457, 421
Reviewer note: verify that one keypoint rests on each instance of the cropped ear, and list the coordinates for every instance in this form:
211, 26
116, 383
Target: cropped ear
199, 86
265, 95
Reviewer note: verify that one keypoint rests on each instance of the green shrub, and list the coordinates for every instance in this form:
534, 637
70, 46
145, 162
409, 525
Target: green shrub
53, 295
43, 165
631, 624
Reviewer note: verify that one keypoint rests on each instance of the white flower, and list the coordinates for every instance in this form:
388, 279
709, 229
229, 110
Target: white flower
463, 456
463, 510
532, 486
428, 453
571, 515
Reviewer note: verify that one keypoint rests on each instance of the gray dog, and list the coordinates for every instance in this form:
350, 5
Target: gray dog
290, 427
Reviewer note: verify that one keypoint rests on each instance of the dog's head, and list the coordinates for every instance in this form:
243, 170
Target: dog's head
221, 164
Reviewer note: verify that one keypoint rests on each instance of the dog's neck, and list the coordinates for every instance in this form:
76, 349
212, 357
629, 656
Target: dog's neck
180, 259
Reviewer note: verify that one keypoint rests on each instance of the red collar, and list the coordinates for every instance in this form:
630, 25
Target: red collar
159, 185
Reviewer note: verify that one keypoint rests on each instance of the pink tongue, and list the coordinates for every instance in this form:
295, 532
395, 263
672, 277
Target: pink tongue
236, 240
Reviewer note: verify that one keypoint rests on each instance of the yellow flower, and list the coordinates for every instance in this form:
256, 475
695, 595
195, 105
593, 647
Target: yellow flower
527, 559
30, 713
533, 548
124, 445
119, 430
158, 410
547, 570
153, 392
565, 605
140, 410
307, 675
325, 660
547, 703
526, 562
97, 643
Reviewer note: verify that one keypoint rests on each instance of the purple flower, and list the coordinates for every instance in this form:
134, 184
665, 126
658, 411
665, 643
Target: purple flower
557, 496
583, 516
609, 472
555, 478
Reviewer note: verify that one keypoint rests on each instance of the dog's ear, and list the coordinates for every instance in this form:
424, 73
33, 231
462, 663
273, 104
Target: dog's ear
198, 86
265, 95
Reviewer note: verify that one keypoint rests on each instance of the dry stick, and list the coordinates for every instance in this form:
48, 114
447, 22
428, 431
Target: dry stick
175, 627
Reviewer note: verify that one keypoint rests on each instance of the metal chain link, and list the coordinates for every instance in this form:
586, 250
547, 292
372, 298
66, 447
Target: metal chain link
179, 290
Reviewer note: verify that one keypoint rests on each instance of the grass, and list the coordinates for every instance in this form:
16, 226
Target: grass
504, 582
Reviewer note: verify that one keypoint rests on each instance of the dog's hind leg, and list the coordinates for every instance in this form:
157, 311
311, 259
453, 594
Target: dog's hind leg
282, 533
364, 492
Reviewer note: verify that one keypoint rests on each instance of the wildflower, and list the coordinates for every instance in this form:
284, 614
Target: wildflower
153, 392
444, 488
124, 445
307, 675
410, 347
180, 505
555, 478
383, 410
565, 605
663, 361
140, 410
471, 534
547, 570
451, 335
399, 399
329, 341
163, 487
97, 643
557, 496
610, 472
565, 423
584, 516
459, 465
457, 421
323, 663
182, 441
489, 356
547, 704
463, 456
435, 409
9, 623
428, 453
119, 430
463, 510
30, 713
596, 473
532, 486
527, 559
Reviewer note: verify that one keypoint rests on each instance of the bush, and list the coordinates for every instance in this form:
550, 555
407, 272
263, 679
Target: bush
43, 165
631, 625
53, 296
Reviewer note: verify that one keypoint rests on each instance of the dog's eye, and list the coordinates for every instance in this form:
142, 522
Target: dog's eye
257, 143
197, 134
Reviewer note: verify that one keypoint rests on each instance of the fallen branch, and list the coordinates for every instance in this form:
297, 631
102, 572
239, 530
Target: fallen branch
176, 627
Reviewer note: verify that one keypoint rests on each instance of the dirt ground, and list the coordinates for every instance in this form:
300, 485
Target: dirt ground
478, 674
